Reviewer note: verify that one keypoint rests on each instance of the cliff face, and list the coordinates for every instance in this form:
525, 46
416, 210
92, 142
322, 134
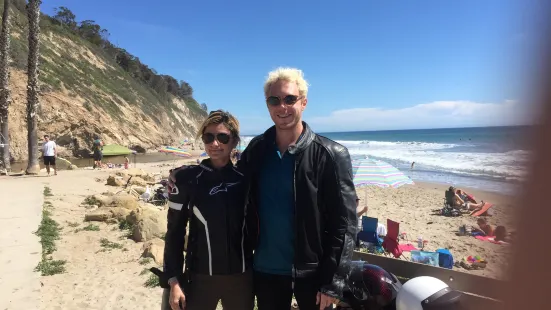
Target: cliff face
64, 117
85, 92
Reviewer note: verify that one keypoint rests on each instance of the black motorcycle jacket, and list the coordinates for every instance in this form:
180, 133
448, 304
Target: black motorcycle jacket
325, 205
213, 203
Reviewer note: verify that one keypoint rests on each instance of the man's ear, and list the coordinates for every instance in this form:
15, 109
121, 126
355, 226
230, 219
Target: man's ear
304, 103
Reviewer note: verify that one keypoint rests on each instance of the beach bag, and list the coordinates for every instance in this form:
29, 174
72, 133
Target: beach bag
427, 258
445, 258
448, 211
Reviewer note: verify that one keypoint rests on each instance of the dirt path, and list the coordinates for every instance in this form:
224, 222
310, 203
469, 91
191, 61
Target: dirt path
20, 250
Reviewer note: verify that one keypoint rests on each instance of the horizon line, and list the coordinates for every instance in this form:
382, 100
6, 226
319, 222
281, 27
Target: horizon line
412, 129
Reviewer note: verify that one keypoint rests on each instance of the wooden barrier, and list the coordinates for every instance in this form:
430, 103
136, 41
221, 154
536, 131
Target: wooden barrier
478, 292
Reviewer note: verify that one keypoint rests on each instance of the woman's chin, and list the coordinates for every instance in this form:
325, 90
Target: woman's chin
219, 157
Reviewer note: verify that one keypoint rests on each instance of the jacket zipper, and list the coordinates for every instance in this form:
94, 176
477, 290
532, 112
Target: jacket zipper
294, 271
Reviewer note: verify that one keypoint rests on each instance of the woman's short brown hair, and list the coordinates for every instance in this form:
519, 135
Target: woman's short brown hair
221, 117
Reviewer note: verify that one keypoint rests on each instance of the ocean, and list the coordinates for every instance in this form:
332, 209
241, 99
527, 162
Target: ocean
486, 158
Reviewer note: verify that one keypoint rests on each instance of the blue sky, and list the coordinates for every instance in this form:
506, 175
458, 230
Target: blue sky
372, 65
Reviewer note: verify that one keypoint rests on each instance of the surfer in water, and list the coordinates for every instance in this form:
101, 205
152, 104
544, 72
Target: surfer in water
412, 164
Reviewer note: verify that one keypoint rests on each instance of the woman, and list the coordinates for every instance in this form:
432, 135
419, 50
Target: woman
211, 198
483, 228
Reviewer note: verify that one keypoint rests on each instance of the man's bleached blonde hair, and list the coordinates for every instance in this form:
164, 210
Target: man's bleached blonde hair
291, 75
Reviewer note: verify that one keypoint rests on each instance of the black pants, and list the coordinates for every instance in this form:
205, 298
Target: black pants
275, 292
235, 292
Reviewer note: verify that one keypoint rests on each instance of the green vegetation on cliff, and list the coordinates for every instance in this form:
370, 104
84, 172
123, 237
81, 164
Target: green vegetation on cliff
77, 57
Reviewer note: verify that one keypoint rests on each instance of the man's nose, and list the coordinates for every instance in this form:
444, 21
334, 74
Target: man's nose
215, 142
281, 106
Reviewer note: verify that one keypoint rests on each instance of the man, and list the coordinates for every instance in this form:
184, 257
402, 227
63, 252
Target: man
49, 152
97, 148
304, 201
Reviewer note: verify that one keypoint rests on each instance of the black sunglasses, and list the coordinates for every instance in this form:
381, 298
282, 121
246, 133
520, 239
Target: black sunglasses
208, 138
288, 100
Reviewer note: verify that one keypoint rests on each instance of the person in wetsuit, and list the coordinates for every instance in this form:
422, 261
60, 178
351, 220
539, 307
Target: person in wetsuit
210, 197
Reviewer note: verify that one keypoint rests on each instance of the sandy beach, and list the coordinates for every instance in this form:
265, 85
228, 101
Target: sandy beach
412, 206
114, 278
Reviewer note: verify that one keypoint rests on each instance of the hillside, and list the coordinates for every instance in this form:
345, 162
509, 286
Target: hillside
85, 90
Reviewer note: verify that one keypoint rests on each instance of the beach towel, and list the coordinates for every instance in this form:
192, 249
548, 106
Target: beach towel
490, 239
407, 247
427, 258
484, 210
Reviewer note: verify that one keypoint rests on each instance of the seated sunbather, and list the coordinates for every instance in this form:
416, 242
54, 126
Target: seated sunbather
501, 234
459, 198
360, 210
463, 197
484, 228
473, 207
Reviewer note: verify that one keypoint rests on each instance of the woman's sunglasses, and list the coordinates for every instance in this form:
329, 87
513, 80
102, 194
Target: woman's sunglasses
288, 100
208, 138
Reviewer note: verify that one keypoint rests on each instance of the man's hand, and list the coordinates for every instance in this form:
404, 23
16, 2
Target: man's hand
172, 177
177, 297
324, 301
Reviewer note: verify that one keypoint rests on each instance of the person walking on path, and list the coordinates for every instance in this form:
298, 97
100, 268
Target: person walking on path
49, 153
97, 148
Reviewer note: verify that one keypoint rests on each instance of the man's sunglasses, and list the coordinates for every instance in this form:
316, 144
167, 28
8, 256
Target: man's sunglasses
208, 138
288, 100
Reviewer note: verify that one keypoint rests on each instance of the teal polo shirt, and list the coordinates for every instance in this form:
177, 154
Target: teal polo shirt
276, 211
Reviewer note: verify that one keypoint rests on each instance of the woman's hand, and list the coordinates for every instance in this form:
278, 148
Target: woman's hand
177, 296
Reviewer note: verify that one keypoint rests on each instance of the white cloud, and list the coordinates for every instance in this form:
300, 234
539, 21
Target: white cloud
438, 114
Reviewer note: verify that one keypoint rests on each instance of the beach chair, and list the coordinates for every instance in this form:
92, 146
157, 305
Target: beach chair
449, 198
369, 232
390, 243
449, 208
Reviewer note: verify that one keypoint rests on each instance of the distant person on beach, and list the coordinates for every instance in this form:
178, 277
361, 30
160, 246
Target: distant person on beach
473, 207
210, 198
97, 149
126, 162
499, 232
360, 211
304, 201
49, 153
459, 198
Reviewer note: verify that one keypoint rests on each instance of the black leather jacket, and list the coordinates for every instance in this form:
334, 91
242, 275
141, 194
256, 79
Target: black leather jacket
324, 195
213, 202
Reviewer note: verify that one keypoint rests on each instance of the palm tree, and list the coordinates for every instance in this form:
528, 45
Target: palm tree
33, 13
4, 87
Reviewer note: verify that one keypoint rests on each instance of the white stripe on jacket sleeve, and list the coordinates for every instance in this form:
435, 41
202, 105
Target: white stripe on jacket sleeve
175, 206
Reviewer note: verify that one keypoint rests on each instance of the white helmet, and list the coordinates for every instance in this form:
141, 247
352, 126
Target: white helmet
424, 293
